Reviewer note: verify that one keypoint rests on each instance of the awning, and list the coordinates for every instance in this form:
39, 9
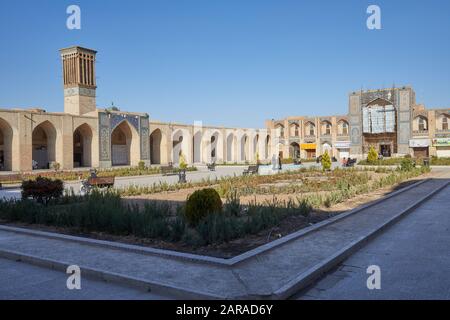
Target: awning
342, 145
419, 143
308, 146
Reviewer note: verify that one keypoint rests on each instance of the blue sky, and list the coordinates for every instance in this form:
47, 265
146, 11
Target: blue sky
227, 62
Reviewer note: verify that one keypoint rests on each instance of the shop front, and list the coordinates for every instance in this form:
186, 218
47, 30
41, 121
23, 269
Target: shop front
442, 146
343, 149
420, 147
309, 150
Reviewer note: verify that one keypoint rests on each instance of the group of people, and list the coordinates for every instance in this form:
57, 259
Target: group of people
347, 162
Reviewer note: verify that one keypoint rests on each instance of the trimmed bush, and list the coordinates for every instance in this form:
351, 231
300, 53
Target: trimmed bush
182, 162
326, 161
372, 157
141, 165
200, 204
42, 189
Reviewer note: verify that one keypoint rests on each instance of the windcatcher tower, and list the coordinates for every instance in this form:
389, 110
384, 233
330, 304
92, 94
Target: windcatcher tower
79, 80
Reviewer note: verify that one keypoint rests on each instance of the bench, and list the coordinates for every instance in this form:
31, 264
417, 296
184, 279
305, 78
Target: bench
101, 182
250, 170
9, 178
166, 170
211, 166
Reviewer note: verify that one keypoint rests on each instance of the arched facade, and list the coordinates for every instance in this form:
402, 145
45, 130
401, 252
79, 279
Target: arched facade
343, 128
212, 146
6, 146
310, 129
44, 142
181, 145
231, 143
124, 145
294, 150
157, 147
82, 146
325, 128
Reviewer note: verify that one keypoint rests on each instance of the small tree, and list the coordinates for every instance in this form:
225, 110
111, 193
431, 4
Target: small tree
326, 161
182, 162
372, 157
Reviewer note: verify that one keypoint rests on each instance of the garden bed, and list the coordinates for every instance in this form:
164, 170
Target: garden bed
71, 175
155, 219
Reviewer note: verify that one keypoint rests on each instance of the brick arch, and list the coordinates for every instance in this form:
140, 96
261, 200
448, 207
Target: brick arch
125, 148
44, 142
82, 146
158, 146
7, 141
181, 145
212, 146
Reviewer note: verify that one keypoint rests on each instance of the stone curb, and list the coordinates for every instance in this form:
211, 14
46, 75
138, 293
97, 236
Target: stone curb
201, 258
101, 275
308, 277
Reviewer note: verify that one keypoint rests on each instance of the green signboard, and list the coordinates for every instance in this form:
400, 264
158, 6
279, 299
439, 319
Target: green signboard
441, 142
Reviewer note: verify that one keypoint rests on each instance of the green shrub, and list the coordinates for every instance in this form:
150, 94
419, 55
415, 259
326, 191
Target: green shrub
407, 164
372, 157
326, 161
201, 203
42, 189
141, 165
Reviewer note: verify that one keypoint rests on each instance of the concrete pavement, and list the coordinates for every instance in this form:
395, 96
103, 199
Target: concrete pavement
413, 256
22, 281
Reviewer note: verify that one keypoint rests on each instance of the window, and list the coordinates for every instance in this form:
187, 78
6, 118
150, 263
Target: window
296, 131
344, 128
327, 129
281, 128
422, 124
310, 129
444, 123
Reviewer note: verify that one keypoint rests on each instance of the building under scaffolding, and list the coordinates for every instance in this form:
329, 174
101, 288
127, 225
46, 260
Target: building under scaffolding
379, 127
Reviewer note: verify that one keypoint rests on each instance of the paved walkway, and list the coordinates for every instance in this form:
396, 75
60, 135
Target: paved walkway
21, 281
260, 273
413, 256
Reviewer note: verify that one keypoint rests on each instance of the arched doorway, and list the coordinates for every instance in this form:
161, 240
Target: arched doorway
155, 146
124, 145
197, 141
267, 149
6, 141
216, 152
82, 146
230, 147
244, 148
44, 145
326, 147
255, 150
294, 150
181, 145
